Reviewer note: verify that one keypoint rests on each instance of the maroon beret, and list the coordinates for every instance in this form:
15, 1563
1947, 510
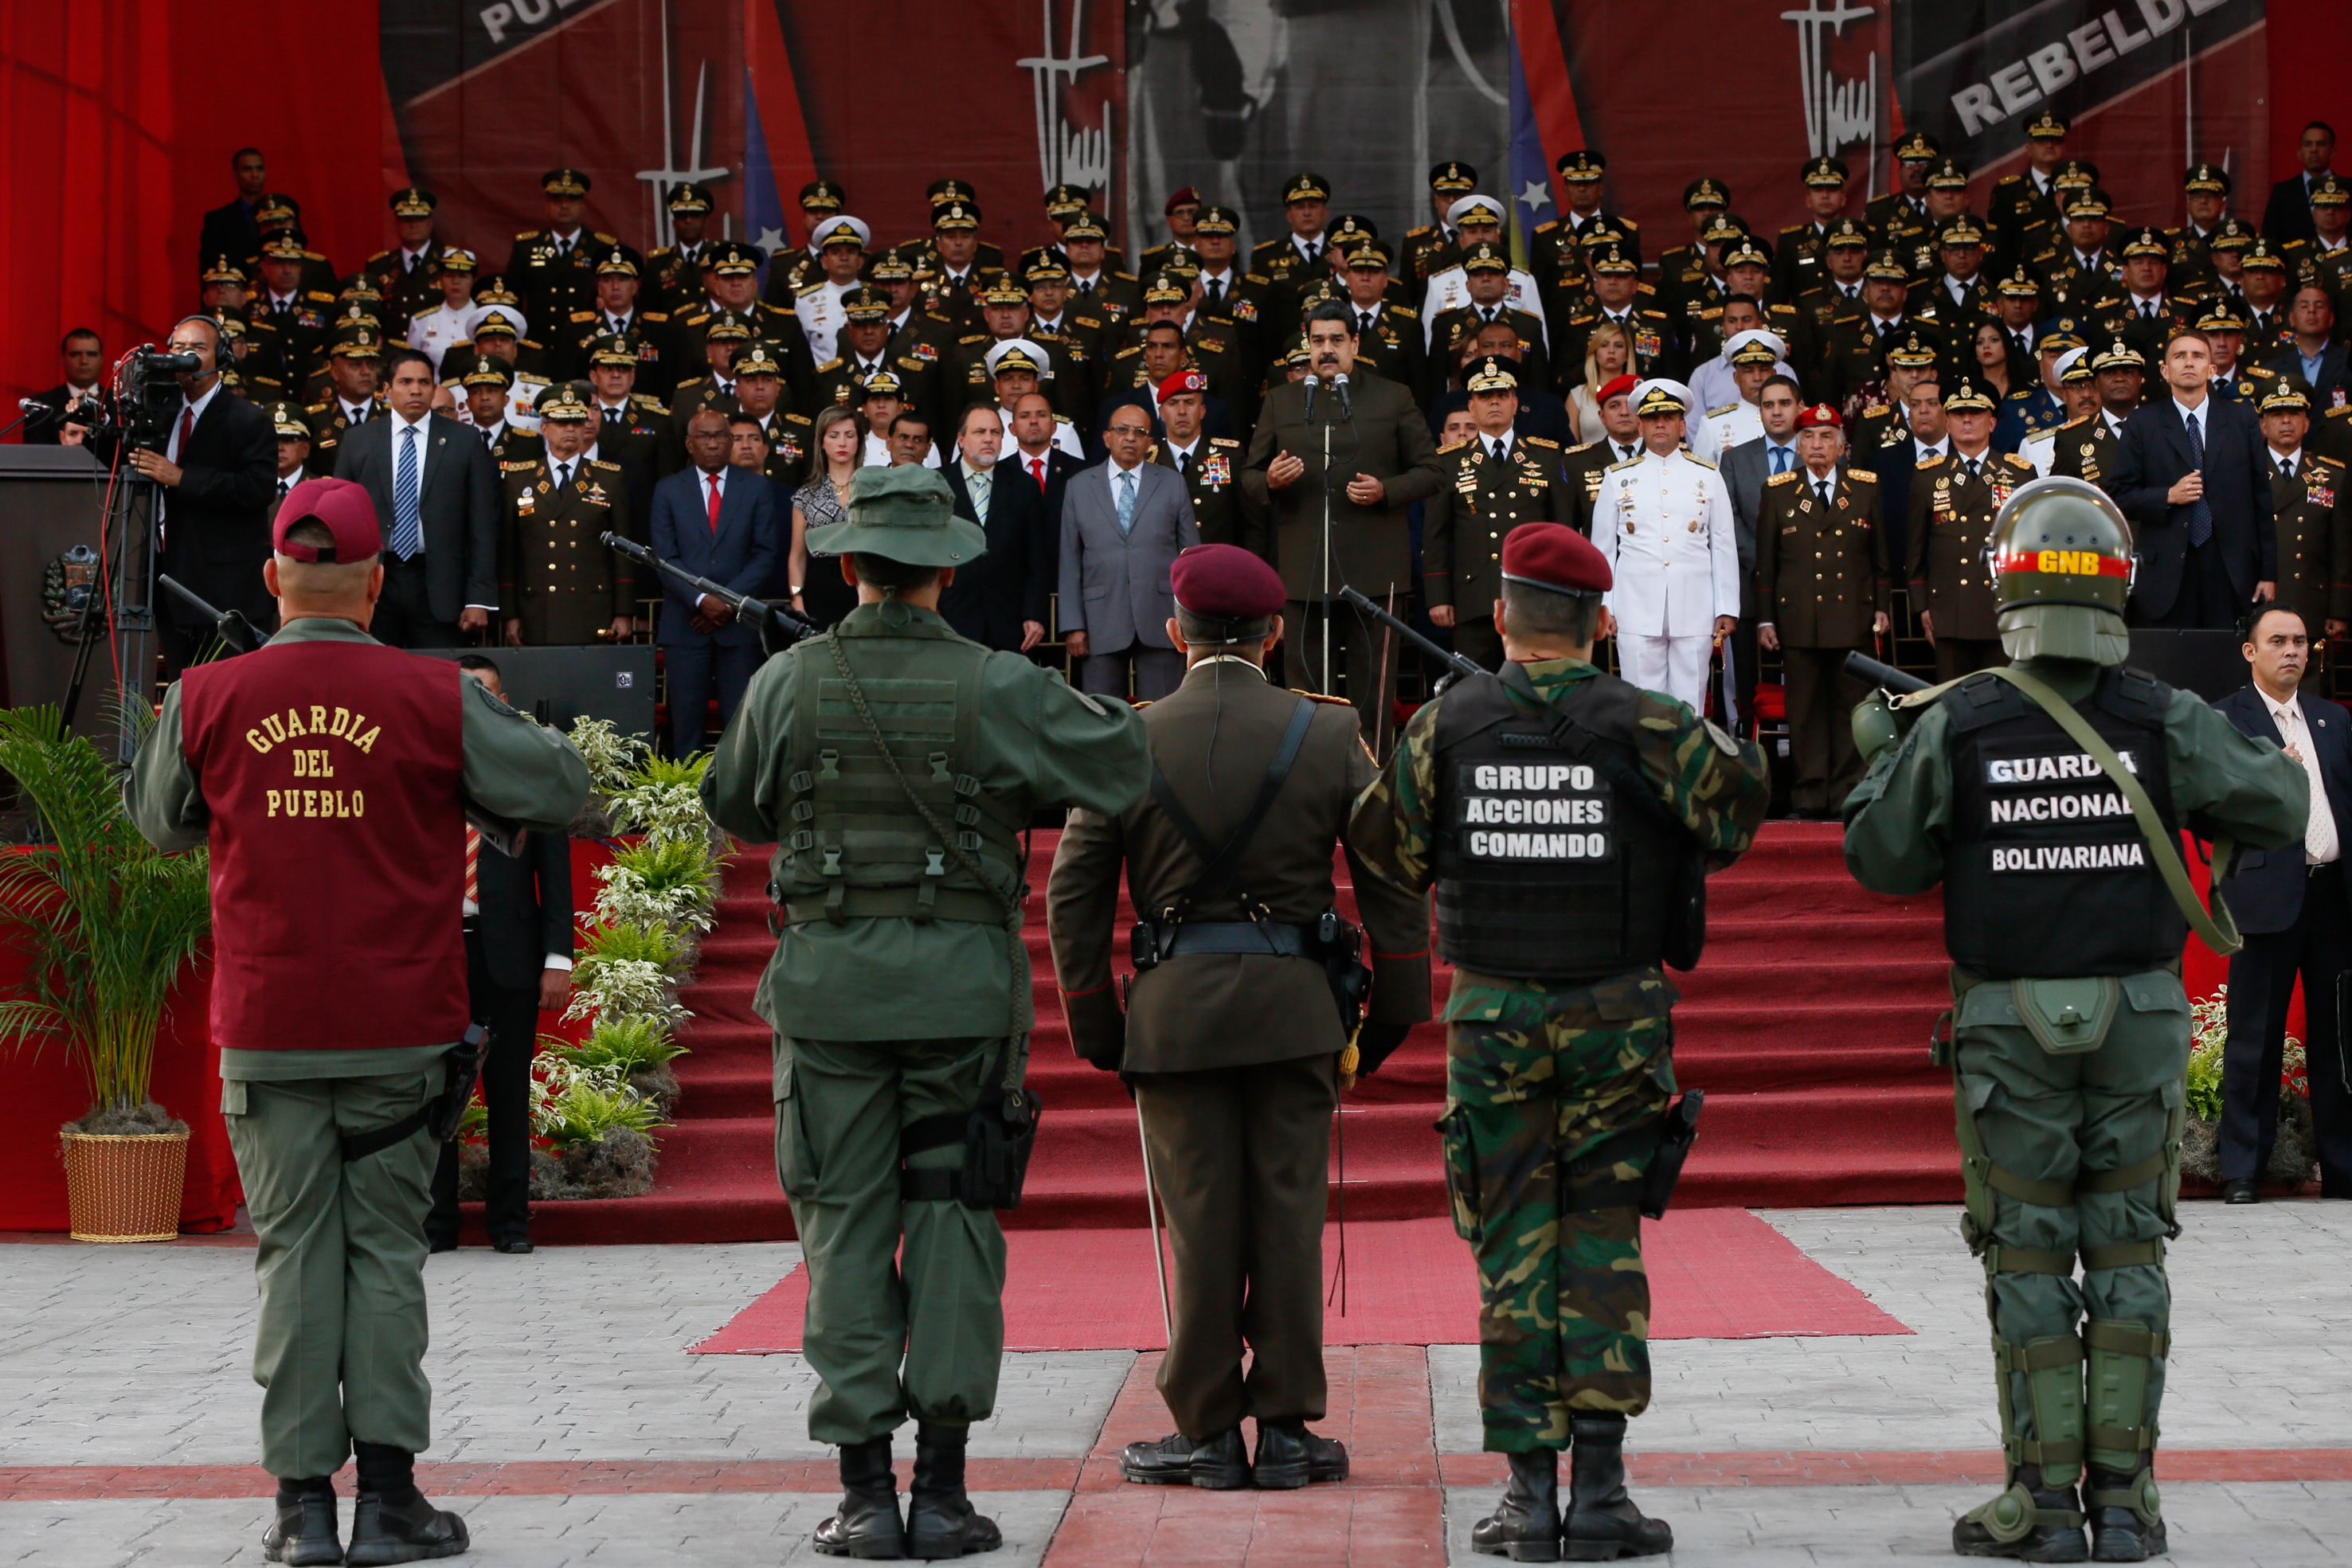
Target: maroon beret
1554, 556
346, 509
1187, 197
1617, 387
1187, 380
1226, 582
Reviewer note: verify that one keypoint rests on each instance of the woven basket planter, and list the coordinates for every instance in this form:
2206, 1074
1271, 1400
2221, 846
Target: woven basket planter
125, 1188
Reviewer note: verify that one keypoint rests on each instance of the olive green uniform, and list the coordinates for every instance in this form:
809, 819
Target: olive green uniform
1952, 511
1463, 525
898, 984
2314, 509
555, 574
2076, 1153
1821, 581
1538, 1074
340, 1344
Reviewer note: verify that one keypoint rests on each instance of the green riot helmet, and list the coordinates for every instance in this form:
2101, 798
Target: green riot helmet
2061, 565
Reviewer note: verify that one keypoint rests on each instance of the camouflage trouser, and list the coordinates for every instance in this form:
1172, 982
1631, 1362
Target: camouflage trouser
1536, 1078
2074, 1156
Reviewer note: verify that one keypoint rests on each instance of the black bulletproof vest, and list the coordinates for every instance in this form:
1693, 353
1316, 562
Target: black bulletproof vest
1546, 869
2047, 873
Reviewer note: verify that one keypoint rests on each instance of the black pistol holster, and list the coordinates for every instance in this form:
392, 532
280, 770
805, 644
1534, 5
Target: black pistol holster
439, 1115
997, 1135
1668, 1142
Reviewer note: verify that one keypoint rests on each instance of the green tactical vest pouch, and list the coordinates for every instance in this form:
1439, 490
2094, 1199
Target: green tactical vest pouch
2067, 1017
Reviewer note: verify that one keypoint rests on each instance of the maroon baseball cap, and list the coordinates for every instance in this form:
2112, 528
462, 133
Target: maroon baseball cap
346, 510
1226, 582
1550, 555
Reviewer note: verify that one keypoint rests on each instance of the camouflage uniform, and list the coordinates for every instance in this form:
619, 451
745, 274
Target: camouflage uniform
1539, 1075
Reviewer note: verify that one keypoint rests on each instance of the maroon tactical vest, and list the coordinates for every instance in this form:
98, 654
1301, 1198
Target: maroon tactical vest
331, 771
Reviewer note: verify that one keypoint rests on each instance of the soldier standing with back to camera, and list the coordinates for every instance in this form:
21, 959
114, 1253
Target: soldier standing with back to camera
1232, 1038
899, 989
327, 773
1566, 859
2048, 798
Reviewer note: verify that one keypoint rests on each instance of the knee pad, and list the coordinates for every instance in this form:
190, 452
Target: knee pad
2121, 1357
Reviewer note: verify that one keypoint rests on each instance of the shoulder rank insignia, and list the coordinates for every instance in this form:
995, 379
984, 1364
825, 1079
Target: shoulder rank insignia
1788, 478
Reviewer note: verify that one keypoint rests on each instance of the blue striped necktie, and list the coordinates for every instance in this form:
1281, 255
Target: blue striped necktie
407, 527
2200, 514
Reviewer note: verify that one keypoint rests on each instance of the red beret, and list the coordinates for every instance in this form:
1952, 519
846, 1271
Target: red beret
1226, 582
1554, 556
344, 506
1185, 380
1187, 197
1622, 386
1820, 414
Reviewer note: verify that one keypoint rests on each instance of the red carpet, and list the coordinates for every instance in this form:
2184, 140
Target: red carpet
1806, 1023
1715, 1274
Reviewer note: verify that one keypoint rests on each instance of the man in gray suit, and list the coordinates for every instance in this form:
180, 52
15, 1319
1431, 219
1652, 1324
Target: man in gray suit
1123, 523
436, 496
1745, 468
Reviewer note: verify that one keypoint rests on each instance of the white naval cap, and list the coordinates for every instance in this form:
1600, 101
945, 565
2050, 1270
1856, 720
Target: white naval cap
1036, 357
1755, 335
840, 227
1660, 395
1455, 213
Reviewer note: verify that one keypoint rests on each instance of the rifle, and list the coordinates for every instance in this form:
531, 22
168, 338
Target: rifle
502, 833
778, 625
1863, 668
1688, 932
241, 635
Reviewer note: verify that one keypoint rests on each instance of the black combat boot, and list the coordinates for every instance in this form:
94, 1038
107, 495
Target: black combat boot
391, 1522
1525, 1526
2113, 1499
2048, 1530
1601, 1522
1217, 1464
867, 1524
1289, 1456
941, 1520
305, 1530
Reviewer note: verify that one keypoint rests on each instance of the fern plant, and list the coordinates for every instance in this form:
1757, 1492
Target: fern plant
108, 921
630, 1045
573, 1105
663, 801
663, 882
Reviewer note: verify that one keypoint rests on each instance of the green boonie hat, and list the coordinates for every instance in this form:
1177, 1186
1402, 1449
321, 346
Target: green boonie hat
903, 513
2060, 557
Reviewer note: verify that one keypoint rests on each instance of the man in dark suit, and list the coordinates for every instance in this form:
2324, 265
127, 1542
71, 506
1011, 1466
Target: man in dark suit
1231, 1053
999, 600
440, 517
1339, 520
1048, 466
84, 362
215, 478
1123, 523
2288, 215
2314, 355
230, 230
518, 912
718, 522
2191, 474
2291, 906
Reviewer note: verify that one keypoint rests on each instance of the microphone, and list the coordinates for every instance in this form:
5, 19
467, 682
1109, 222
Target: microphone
31, 405
1347, 409
1310, 383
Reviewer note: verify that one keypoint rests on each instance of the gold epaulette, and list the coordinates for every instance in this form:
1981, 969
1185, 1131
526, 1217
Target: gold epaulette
600, 463
1851, 474
1321, 697
1540, 440
2078, 419
1627, 464
1453, 446
525, 463
1788, 478
583, 315
1931, 462
1727, 408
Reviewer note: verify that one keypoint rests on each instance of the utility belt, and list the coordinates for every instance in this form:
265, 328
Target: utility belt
922, 904
1335, 943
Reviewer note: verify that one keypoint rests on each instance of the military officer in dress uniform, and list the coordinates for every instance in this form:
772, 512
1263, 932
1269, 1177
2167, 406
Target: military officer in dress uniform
1388, 337
1900, 214
1097, 289
673, 274
723, 334
2069, 1032
353, 365
1753, 357
1681, 266
2085, 444
554, 269
1210, 465
1477, 220
408, 274
2026, 203
1954, 498
291, 323
329, 1099
1580, 173
447, 323
1484, 270
1493, 482
841, 243
632, 427
1617, 296
1229, 1038
2310, 499
489, 392
2078, 399
1581, 467
559, 586
1823, 587
1800, 257
1448, 183
1558, 1129
1663, 523
899, 989
616, 315
1299, 254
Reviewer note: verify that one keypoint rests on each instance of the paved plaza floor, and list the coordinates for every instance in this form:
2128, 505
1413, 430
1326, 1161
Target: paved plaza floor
573, 1427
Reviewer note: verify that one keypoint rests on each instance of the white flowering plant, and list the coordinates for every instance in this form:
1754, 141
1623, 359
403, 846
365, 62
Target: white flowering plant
612, 757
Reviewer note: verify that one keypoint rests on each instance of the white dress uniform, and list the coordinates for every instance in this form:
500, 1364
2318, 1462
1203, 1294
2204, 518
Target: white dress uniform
1712, 384
1452, 286
818, 305
1724, 428
1665, 526
522, 400
436, 330
2041, 449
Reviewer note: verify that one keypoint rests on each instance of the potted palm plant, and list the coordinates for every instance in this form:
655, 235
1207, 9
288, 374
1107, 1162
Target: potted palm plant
107, 924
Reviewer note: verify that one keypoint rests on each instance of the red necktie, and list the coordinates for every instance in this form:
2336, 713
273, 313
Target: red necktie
1037, 468
187, 428
473, 864
714, 502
